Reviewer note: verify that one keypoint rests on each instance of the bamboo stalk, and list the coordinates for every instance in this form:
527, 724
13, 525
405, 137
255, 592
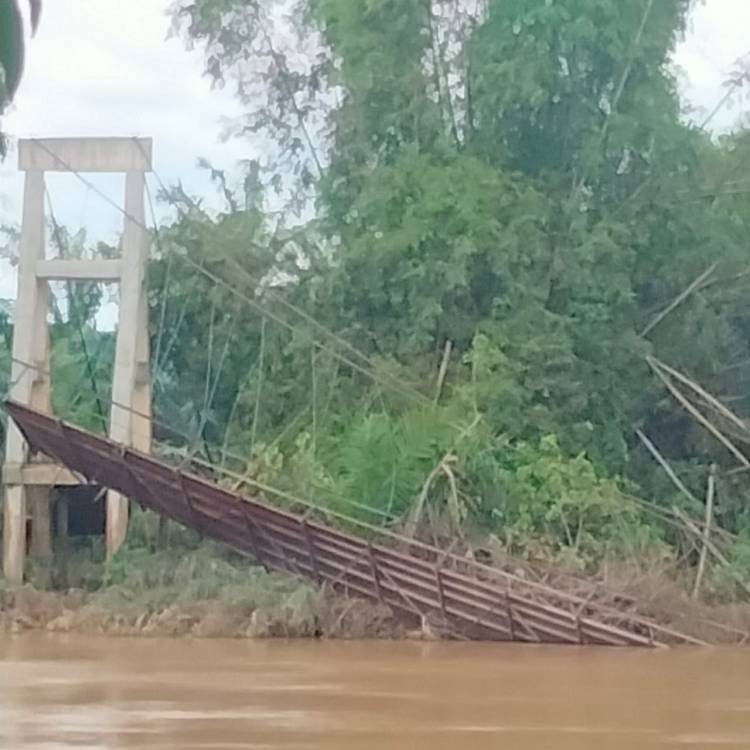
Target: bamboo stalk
713, 549
665, 514
443, 369
679, 299
624, 77
697, 415
654, 451
415, 514
703, 393
412, 522
710, 491
256, 410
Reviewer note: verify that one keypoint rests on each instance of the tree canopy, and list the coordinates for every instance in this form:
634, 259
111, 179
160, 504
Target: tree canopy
480, 244
512, 183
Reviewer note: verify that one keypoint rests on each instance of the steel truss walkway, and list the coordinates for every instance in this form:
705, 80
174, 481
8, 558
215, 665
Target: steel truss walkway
463, 598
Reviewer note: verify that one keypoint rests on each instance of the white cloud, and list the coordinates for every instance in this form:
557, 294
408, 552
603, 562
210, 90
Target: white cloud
105, 68
716, 40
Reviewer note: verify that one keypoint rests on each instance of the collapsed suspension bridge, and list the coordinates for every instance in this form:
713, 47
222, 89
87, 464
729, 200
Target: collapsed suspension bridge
460, 597
418, 581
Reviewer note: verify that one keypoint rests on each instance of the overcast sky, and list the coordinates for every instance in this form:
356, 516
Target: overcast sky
105, 67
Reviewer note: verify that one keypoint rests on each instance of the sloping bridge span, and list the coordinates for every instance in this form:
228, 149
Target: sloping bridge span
464, 598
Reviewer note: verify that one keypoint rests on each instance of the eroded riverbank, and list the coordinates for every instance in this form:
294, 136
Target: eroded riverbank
207, 592
270, 609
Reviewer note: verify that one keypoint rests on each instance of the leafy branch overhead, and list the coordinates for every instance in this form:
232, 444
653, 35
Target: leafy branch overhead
12, 44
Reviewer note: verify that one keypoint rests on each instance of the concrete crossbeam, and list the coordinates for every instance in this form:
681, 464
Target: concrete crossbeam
85, 154
98, 269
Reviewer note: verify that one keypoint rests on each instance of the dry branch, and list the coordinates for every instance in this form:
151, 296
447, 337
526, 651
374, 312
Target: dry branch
706, 530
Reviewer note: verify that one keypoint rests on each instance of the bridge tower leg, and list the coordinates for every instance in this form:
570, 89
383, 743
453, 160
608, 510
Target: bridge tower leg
28, 482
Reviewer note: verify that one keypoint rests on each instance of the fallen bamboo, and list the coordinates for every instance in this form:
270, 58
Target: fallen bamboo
700, 418
679, 299
654, 451
710, 400
713, 549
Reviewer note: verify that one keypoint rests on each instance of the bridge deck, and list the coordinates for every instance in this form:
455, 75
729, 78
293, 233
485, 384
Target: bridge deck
467, 599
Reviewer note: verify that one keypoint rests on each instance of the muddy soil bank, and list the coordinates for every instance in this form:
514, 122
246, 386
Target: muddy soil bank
199, 591
206, 591
303, 613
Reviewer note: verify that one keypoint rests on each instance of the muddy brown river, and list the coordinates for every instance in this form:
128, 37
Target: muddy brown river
115, 693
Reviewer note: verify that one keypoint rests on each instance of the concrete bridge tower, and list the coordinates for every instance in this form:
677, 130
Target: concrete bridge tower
28, 483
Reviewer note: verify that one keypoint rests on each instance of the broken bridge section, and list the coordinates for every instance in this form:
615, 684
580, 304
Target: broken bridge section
463, 598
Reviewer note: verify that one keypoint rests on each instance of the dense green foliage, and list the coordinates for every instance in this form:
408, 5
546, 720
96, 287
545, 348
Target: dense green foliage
508, 183
513, 181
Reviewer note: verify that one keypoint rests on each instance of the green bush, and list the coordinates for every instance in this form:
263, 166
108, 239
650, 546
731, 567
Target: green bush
544, 503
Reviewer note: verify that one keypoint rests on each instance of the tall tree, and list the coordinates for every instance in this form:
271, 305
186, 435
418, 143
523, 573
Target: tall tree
511, 182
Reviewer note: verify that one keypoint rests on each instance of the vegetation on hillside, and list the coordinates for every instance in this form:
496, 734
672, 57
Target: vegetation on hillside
482, 254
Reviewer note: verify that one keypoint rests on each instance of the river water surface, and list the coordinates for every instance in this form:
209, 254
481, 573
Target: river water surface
117, 693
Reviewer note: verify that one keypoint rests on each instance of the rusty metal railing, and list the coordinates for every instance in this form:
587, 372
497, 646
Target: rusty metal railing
461, 597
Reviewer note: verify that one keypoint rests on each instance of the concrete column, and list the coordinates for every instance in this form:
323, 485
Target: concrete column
38, 498
30, 369
142, 431
131, 389
28, 484
14, 533
61, 538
